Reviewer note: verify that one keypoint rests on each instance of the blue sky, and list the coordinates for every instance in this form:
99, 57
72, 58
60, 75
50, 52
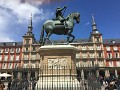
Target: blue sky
15, 17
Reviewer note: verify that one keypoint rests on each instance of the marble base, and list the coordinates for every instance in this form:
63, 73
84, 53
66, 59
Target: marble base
58, 83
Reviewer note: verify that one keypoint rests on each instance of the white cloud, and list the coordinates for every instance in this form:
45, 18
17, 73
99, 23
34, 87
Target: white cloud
15, 14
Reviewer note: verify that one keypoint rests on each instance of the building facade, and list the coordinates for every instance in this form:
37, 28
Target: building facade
95, 55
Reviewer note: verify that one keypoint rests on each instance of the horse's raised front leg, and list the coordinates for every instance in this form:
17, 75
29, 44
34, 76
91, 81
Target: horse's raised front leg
68, 36
73, 37
47, 37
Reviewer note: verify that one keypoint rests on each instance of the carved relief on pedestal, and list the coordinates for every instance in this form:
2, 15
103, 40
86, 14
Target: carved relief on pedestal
57, 63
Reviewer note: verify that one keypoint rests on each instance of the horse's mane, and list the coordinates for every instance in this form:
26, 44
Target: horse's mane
69, 15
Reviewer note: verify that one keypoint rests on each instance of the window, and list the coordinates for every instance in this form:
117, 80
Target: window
26, 49
97, 39
116, 55
91, 55
17, 50
99, 55
25, 65
14, 44
11, 57
5, 57
90, 47
33, 48
10, 66
108, 48
12, 50
27, 41
26, 57
83, 47
109, 55
1, 50
110, 64
33, 65
118, 63
33, 57
4, 66
84, 55
6, 50
101, 63
115, 48
15, 65
17, 57
0, 57
98, 47
77, 55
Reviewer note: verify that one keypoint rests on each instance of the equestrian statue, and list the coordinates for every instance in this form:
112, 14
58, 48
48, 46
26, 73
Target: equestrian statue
60, 25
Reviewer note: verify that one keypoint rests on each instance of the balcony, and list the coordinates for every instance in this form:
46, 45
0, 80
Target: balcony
25, 58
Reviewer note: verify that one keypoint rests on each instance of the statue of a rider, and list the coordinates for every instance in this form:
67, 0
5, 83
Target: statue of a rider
59, 15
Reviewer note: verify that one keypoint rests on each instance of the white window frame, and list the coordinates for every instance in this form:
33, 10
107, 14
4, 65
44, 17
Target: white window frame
33, 56
0, 57
118, 63
116, 55
1, 50
98, 47
5, 57
12, 50
107, 48
115, 48
84, 55
26, 56
4, 66
17, 50
11, 57
16, 65
84, 48
109, 55
111, 64
77, 55
91, 47
6, 50
10, 66
17, 57
33, 65
25, 65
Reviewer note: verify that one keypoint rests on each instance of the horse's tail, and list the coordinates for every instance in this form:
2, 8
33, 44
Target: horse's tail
42, 36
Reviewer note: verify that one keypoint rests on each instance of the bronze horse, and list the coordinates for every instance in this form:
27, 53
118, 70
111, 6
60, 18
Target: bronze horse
56, 27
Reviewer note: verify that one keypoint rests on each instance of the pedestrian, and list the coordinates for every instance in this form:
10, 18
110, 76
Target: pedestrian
33, 84
2, 86
9, 84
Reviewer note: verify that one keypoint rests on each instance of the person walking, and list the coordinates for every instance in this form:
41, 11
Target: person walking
2, 86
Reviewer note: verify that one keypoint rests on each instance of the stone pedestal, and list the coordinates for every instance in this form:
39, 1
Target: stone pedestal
57, 68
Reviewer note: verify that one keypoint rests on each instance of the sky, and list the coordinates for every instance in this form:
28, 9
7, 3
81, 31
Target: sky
15, 17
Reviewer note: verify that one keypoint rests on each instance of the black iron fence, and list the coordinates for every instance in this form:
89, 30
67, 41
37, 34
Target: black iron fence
65, 78
58, 77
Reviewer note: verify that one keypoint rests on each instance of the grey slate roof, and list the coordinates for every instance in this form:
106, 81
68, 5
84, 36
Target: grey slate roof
11, 43
111, 41
105, 41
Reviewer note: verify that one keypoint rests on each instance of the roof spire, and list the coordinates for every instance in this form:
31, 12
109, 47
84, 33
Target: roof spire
30, 24
94, 26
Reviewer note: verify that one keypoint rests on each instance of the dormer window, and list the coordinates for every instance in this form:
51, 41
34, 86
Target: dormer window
27, 41
113, 41
14, 44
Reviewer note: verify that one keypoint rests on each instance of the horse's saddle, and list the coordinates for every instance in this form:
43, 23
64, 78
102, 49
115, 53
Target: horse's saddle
57, 22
